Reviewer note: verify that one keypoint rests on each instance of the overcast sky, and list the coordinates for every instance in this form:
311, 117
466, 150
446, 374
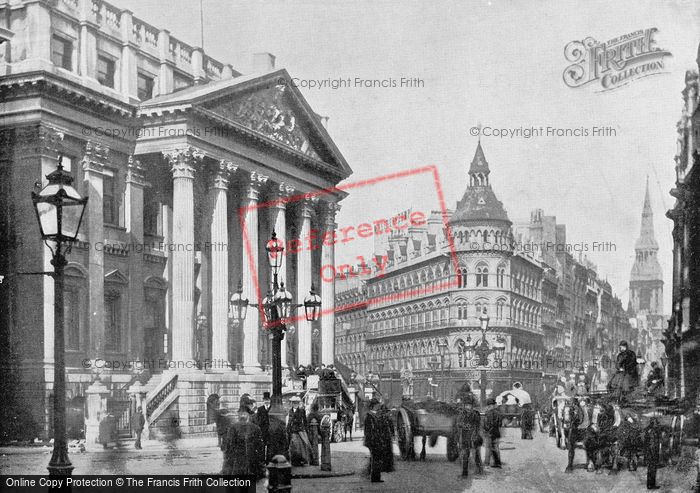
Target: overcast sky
498, 63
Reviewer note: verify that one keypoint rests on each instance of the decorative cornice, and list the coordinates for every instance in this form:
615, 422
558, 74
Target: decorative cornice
134, 172
222, 173
38, 139
183, 161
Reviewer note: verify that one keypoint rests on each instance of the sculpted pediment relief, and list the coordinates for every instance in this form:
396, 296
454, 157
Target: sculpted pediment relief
268, 112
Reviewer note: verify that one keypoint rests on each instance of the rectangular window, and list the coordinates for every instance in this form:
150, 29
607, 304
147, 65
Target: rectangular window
62, 52
113, 330
105, 71
145, 86
109, 203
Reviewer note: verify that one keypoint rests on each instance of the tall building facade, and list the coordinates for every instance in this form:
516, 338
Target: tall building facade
425, 308
179, 155
682, 336
646, 288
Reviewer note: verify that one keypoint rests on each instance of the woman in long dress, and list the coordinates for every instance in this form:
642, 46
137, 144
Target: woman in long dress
299, 444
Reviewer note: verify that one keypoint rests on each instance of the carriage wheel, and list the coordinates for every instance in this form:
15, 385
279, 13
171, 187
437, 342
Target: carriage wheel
338, 432
676, 435
404, 435
453, 446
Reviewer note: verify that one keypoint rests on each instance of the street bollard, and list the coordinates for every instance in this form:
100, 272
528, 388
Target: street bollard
326, 443
279, 474
313, 438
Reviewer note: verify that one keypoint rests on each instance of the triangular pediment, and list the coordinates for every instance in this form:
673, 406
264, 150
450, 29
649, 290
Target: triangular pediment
268, 107
271, 112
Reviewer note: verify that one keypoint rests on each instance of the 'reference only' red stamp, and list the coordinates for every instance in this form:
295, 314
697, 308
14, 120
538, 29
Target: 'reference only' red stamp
299, 251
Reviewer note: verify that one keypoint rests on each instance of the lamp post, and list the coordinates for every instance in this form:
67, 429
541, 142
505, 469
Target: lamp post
59, 210
433, 364
482, 349
442, 346
277, 306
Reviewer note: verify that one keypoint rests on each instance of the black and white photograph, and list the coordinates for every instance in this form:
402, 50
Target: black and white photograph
349, 246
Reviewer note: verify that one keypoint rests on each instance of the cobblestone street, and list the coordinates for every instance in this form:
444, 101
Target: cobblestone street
528, 466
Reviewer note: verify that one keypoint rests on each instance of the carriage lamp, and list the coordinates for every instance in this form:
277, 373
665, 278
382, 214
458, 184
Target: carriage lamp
275, 248
312, 305
59, 210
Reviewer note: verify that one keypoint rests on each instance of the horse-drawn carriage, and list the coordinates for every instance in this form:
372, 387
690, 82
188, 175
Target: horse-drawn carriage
427, 418
333, 401
609, 429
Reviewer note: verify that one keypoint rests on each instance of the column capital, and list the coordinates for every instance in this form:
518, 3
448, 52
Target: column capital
307, 205
95, 157
328, 212
183, 160
38, 139
222, 174
255, 183
281, 194
134, 172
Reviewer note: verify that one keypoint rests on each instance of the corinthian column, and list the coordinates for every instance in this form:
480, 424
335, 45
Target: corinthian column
328, 288
279, 223
251, 274
219, 262
182, 162
304, 279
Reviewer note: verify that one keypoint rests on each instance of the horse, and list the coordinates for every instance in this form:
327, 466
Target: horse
347, 420
619, 433
576, 421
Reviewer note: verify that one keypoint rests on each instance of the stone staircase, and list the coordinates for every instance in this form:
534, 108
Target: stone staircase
161, 406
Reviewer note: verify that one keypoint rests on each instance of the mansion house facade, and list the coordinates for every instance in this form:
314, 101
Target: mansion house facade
176, 152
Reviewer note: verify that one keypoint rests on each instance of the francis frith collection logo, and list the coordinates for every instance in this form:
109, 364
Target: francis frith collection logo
614, 63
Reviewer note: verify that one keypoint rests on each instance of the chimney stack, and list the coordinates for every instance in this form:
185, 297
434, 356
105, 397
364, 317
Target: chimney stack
263, 62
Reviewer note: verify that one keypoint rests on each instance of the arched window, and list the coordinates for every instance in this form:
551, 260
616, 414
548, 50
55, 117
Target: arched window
482, 276
499, 309
500, 276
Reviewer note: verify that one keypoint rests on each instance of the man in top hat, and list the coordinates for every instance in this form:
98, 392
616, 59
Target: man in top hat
262, 419
373, 441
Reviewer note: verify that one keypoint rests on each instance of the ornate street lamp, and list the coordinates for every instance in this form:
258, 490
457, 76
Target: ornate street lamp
277, 306
59, 211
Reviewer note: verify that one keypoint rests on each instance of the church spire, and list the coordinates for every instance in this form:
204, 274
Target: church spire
647, 239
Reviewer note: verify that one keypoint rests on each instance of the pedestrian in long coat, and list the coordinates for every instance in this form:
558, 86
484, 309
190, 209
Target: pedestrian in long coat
139, 422
469, 424
262, 419
373, 441
243, 448
652, 437
299, 445
387, 437
492, 433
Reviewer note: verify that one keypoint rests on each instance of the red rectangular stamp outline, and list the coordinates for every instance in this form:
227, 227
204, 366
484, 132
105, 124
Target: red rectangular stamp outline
346, 187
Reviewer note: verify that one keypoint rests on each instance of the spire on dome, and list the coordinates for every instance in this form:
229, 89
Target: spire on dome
479, 168
479, 201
